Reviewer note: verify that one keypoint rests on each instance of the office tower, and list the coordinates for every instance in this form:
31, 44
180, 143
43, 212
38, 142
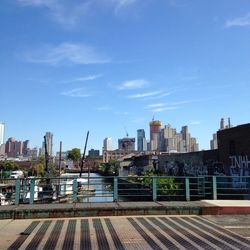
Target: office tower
141, 140
33, 154
1, 133
2, 149
185, 138
107, 144
194, 146
127, 144
93, 153
213, 142
13, 148
155, 128
25, 149
49, 140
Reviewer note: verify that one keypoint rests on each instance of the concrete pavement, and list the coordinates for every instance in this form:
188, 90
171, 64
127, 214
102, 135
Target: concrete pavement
128, 232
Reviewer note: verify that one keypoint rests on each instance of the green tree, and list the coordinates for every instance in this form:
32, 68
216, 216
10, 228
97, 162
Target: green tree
8, 165
38, 170
74, 155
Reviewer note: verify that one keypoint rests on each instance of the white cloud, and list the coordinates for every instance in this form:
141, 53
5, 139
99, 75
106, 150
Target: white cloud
147, 94
104, 108
77, 92
133, 84
159, 107
157, 110
155, 105
74, 53
66, 12
239, 21
83, 78
69, 13
160, 96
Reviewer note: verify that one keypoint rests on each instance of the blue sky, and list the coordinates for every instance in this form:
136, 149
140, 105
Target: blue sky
68, 66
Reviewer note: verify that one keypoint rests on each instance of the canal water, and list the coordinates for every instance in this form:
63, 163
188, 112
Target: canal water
102, 185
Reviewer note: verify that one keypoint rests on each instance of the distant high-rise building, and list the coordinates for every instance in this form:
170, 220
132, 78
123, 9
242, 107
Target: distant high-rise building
107, 144
33, 154
222, 124
141, 140
2, 150
213, 142
49, 140
155, 129
127, 144
186, 138
1, 133
25, 149
13, 148
93, 153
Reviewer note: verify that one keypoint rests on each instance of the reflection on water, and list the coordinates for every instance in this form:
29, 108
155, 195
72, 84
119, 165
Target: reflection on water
103, 189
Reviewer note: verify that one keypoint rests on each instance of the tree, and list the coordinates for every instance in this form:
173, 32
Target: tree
74, 155
8, 165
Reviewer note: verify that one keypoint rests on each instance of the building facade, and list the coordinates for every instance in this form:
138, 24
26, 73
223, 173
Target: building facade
13, 148
33, 154
2, 125
114, 155
49, 140
93, 153
141, 140
107, 144
126, 144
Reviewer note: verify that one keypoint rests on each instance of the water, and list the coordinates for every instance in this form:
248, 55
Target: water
103, 188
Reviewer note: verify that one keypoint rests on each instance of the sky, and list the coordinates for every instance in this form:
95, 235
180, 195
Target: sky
111, 66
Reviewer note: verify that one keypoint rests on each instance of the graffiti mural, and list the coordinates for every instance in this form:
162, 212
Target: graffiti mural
177, 168
240, 165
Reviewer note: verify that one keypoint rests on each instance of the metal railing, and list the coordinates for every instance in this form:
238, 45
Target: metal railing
131, 188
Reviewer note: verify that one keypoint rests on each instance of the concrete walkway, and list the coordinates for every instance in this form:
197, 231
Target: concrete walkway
127, 232
204, 207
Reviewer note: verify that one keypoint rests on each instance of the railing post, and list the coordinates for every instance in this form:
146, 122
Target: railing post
214, 188
32, 190
74, 190
154, 186
187, 188
115, 197
17, 190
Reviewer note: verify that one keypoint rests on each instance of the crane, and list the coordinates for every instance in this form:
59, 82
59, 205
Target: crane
126, 131
84, 152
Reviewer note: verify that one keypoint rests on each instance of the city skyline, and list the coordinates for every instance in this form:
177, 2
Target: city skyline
107, 65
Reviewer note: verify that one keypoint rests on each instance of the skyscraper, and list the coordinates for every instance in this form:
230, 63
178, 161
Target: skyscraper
155, 128
49, 140
13, 148
107, 144
1, 133
141, 140
25, 148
